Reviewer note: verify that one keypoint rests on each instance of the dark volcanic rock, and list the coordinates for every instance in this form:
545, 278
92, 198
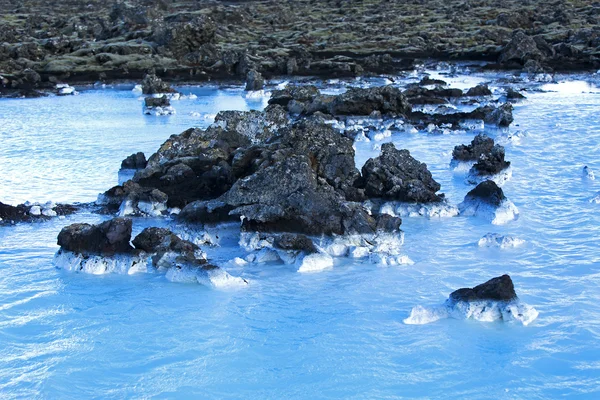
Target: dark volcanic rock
481, 144
487, 192
185, 39
134, 194
492, 162
501, 116
25, 213
295, 241
152, 102
159, 241
134, 161
521, 49
396, 175
489, 157
479, 90
107, 238
512, 94
193, 165
358, 101
258, 126
300, 93
288, 197
499, 289
254, 80
152, 84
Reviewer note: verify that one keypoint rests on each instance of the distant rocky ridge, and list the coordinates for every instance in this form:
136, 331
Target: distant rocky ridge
42, 43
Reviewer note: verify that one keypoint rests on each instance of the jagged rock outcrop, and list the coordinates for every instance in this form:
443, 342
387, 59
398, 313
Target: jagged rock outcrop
396, 175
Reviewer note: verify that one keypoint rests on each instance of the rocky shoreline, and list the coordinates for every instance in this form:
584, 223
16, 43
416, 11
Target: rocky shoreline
41, 45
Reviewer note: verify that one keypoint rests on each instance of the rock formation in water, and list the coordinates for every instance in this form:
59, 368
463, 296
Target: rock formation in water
487, 158
487, 200
396, 175
106, 248
30, 212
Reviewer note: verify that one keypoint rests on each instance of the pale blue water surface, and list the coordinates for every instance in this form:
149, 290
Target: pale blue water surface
334, 334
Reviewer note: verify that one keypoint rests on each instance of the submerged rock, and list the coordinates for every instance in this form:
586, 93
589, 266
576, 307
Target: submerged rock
396, 175
494, 300
487, 200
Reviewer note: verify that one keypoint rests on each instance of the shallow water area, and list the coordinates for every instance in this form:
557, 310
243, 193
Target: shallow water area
336, 333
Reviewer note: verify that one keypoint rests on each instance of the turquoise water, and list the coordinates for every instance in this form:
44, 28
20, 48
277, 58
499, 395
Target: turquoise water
334, 334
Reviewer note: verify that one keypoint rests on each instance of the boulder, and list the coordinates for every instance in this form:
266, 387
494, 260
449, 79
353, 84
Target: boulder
487, 192
481, 144
152, 102
498, 289
521, 49
152, 84
134, 161
254, 80
492, 162
359, 101
299, 93
107, 238
396, 175
479, 90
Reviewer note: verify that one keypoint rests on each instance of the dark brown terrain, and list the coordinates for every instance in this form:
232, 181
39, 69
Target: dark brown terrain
42, 42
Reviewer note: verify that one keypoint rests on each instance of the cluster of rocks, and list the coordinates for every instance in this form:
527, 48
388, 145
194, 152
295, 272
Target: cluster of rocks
279, 175
30, 212
305, 100
487, 160
107, 247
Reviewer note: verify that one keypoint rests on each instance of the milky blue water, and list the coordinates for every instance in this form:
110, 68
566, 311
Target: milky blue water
334, 334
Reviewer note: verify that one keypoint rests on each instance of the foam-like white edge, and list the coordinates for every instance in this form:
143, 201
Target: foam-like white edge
500, 178
485, 311
500, 215
500, 241
316, 262
142, 208
461, 167
99, 265
431, 210
131, 264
